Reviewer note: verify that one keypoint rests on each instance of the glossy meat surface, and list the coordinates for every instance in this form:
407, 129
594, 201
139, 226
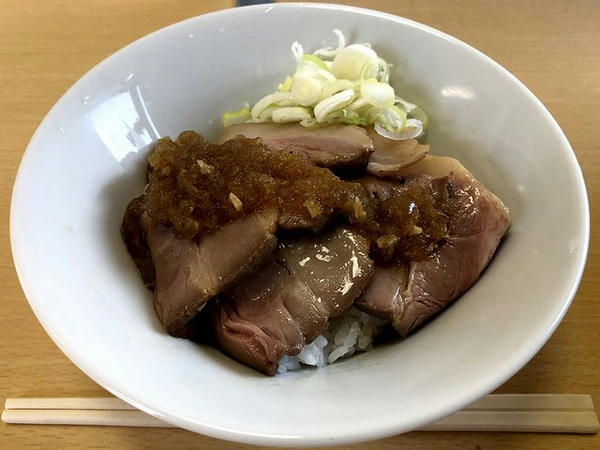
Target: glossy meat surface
332, 146
421, 289
290, 301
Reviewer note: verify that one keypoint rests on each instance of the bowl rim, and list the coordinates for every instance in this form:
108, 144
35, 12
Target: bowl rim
332, 437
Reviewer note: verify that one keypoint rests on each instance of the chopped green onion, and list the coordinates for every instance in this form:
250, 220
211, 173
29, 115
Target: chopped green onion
336, 86
235, 117
264, 115
406, 106
279, 98
396, 117
349, 84
377, 94
391, 118
414, 111
378, 69
334, 117
316, 72
309, 122
290, 114
333, 103
383, 74
349, 61
358, 104
298, 52
306, 89
328, 52
286, 85
354, 118
419, 114
413, 128
315, 60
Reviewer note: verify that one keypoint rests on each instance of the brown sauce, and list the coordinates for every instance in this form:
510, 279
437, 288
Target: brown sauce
197, 187
413, 221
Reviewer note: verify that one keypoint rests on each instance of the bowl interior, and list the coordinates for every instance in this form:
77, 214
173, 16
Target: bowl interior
86, 162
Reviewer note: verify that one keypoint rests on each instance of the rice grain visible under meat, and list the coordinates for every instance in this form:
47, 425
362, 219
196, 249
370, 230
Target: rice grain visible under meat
351, 332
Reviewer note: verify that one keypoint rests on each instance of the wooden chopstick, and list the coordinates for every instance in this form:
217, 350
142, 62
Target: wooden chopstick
77, 403
533, 402
548, 413
585, 422
102, 417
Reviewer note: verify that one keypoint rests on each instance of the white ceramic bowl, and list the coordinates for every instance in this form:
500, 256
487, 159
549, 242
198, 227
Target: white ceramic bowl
83, 165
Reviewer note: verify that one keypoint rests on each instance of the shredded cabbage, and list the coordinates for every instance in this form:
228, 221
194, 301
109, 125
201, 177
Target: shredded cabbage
348, 84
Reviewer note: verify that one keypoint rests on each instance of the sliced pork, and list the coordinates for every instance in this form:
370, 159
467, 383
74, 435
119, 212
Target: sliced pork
383, 295
135, 240
206, 228
290, 301
390, 156
334, 146
189, 273
421, 289
197, 187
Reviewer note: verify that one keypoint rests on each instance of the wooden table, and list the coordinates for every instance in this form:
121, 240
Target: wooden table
45, 46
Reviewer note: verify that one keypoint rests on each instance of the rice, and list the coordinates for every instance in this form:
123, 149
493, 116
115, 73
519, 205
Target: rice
352, 331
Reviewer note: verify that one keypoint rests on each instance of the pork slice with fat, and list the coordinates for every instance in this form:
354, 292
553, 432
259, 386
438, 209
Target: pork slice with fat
333, 146
190, 273
391, 157
290, 301
422, 289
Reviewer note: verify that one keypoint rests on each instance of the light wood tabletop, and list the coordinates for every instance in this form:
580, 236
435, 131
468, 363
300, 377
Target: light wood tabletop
45, 46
